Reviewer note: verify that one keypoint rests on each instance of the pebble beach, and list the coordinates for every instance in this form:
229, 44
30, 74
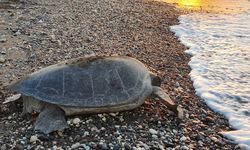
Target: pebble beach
35, 34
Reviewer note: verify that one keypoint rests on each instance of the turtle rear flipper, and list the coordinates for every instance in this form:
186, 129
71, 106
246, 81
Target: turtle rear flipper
159, 92
51, 118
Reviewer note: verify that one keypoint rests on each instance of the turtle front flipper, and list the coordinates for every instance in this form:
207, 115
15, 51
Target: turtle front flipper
51, 118
159, 92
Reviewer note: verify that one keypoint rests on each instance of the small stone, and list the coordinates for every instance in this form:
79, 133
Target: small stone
2, 40
116, 147
214, 139
68, 122
177, 84
53, 37
54, 147
209, 119
33, 139
86, 147
92, 145
152, 131
76, 121
104, 119
174, 131
94, 129
86, 133
184, 148
127, 146
17, 33
59, 42
200, 143
154, 136
183, 139
3, 147
44, 137
76, 145
19, 147
102, 146
2, 60
60, 133
112, 114
168, 144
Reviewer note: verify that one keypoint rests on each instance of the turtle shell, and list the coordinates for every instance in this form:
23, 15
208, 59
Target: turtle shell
89, 82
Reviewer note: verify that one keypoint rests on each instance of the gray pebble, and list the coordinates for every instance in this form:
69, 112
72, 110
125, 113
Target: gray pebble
102, 146
184, 148
76, 145
127, 146
2, 40
3, 147
2, 60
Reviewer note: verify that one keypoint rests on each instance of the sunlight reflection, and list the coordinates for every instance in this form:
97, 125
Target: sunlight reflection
211, 5
190, 3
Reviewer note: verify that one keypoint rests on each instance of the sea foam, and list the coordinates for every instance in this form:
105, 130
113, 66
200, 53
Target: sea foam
220, 49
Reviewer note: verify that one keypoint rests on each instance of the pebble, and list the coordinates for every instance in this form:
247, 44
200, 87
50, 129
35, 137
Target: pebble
174, 131
92, 145
19, 147
3, 52
102, 146
168, 144
184, 148
2, 40
154, 136
17, 33
3, 147
76, 145
200, 143
2, 60
127, 146
214, 139
183, 139
76, 121
116, 147
33, 139
152, 131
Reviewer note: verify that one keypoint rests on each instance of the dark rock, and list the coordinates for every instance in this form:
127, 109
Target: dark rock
116, 147
168, 144
19, 147
102, 146
127, 146
45, 137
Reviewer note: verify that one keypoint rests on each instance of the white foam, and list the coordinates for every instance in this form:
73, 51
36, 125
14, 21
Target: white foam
220, 49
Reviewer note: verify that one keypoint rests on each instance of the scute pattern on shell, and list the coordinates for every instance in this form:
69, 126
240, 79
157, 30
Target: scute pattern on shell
107, 81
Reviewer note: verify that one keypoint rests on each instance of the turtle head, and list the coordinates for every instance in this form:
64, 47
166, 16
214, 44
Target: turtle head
155, 80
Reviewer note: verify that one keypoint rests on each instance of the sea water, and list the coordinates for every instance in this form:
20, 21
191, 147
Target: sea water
220, 47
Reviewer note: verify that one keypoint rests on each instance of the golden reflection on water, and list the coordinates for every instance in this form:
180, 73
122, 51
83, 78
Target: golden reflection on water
190, 3
211, 5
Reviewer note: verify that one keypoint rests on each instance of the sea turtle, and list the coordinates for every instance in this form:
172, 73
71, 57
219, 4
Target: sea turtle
87, 85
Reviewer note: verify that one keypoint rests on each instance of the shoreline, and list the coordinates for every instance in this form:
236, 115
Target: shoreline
42, 33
